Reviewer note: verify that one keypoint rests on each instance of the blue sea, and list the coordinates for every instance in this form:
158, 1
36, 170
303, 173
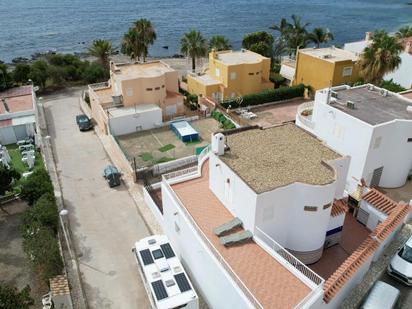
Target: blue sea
28, 26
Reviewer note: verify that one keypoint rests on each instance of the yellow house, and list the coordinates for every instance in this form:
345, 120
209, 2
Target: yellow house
322, 67
231, 74
139, 90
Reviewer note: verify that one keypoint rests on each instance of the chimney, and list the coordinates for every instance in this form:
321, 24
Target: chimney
368, 36
218, 144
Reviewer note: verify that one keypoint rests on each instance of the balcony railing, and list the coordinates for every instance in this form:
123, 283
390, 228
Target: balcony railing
306, 120
248, 294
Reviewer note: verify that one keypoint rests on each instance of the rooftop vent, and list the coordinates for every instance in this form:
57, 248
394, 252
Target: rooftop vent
384, 92
350, 104
327, 56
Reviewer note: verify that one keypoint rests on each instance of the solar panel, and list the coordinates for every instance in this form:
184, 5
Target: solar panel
146, 257
167, 250
159, 289
182, 282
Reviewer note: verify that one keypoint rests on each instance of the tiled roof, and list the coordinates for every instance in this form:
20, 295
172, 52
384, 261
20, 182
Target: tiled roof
16, 92
339, 207
59, 285
348, 268
351, 265
392, 221
380, 201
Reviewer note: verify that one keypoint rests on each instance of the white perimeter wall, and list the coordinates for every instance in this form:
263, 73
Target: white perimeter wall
132, 123
345, 134
281, 215
237, 197
205, 271
389, 147
402, 75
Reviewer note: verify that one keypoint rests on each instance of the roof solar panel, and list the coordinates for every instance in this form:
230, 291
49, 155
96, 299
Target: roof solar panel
146, 257
167, 250
159, 289
182, 282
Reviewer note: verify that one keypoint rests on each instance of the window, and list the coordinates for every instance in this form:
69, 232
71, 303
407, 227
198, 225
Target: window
157, 88
251, 73
311, 208
410, 140
232, 75
347, 71
149, 89
129, 92
326, 206
163, 86
257, 73
217, 72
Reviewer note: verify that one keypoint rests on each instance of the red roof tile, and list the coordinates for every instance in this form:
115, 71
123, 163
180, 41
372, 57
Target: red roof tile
380, 201
339, 207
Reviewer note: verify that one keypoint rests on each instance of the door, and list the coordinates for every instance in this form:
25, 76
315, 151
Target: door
376, 177
20, 131
7, 136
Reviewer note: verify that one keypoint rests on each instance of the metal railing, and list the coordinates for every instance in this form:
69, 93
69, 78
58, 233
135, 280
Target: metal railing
203, 155
289, 258
178, 174
305, 120
99, 85
248, 294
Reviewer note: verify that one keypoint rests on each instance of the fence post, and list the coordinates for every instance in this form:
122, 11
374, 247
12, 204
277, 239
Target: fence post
134, 170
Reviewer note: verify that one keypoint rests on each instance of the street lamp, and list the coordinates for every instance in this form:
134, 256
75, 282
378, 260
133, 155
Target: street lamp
63, 218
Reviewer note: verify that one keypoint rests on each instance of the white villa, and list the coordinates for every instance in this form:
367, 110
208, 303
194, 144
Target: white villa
371, 125
262, 221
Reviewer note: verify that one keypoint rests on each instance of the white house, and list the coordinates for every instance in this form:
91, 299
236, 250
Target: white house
17, 114
259, 206
402, 75
371, 125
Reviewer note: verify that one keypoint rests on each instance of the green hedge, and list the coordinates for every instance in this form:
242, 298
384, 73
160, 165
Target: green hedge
266, 96
225, 123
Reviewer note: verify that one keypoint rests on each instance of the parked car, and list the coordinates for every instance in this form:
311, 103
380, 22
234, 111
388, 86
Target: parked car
112, 175
84, 122
381, 296
400, 266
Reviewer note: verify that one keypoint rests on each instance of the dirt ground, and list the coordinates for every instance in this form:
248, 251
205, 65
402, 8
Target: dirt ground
14, 266
275, 114
403, 193
144, 146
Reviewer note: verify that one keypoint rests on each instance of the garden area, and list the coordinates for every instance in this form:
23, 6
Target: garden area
162, 145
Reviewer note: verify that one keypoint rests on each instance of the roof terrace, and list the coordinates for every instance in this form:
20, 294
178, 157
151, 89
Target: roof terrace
330, 54
140, 70
231, 57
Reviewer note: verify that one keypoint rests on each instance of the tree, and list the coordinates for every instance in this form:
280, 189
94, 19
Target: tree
319, 36
404, 32
39, 73
259, 42
40, 245
146, 34
44, 212
280, 47
21, 73
102, 50
193, 45
35, 185
7, 176
219, 42
283, 27
11, 298
131, 45
380, 57
6, 80
297, 34
93, 73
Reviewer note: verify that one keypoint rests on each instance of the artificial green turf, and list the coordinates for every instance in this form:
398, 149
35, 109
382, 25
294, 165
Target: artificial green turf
166, 147
16, 162
146, 156
164, 159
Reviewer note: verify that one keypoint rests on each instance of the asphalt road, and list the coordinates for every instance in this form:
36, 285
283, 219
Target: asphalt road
105, 222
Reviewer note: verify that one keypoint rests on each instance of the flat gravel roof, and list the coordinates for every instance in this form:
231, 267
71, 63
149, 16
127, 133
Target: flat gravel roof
278, 156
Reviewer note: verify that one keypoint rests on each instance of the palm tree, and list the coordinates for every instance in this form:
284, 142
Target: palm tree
146, 34
319, 36
280, 47
193, 45
404, 32
283, 27
219, 42
102, 50
131, 45
380, 57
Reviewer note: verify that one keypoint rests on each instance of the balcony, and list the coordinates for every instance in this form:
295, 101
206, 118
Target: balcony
304, 116
288, 68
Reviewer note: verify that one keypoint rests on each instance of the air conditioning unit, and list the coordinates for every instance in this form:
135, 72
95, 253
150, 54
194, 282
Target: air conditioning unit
117, 100
334, 94
328, 56
384, 92
350, 104
371, 87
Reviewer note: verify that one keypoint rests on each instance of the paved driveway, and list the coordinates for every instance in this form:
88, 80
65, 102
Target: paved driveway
105, 222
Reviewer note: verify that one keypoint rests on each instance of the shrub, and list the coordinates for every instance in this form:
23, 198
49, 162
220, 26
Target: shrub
266, 96
41, 246
391, 86
277, 79
7, 176
35, 185
21, 73
225, 123
43, 212
11, 298
93, 73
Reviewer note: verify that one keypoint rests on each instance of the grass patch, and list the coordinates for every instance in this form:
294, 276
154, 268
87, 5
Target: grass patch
146, 156
163, 160
166, 147
16, 162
